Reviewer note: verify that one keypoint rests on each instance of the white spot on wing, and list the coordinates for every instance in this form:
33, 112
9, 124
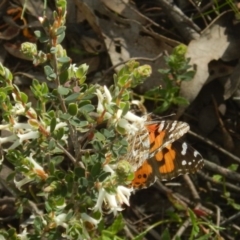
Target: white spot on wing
184, 149
184, 162
196, 153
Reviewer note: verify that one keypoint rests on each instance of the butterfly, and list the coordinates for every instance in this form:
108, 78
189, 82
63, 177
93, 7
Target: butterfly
157, 152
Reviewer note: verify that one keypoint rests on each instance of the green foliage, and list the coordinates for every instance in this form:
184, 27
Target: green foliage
178, 70
69, 153
226, 194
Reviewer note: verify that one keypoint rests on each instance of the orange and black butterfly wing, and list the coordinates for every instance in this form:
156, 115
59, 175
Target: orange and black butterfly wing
164, 133
176, 159
144, 176
168, 158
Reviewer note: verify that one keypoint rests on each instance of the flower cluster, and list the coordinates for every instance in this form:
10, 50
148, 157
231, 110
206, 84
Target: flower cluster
131, 123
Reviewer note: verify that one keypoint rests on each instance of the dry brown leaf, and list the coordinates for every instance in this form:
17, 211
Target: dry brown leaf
10, 32
123, 38
124, 8
220, 41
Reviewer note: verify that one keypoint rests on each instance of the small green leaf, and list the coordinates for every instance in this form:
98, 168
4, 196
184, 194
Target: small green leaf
79, 172
205, 237
60, 133
61, 4
64, 60
48, 70
108, 133
72, 97
65, 116
122, 80
82, 71
72, 109
53, 124
125, 106
63, 76
60, 30
56, 160
59, 201
103, 176
117, 225
51, 145
99, 136
233, 167
37, 34
24, 97
63, 90
53, 50
60, 37
217, 178
49, 73
166, 235
79, 124
164, 106
180, 101
97, 145
96, 169
87, 108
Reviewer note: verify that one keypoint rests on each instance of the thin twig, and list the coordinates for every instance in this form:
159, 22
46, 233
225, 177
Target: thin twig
70, 156
182, 229
220, 184
230, 219
185, 25
223, 171
191, 187
209, 142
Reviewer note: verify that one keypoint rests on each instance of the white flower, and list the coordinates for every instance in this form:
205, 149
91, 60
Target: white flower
72, 70
98, 205
108, 95
20, 183
134, 118
107, 168
73, 67
38, 169
100, 107
28, 135
125, 121
123, 195
22, 126
23, 235
60, 220
87, 218
60, 125
18, 108
113, 201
